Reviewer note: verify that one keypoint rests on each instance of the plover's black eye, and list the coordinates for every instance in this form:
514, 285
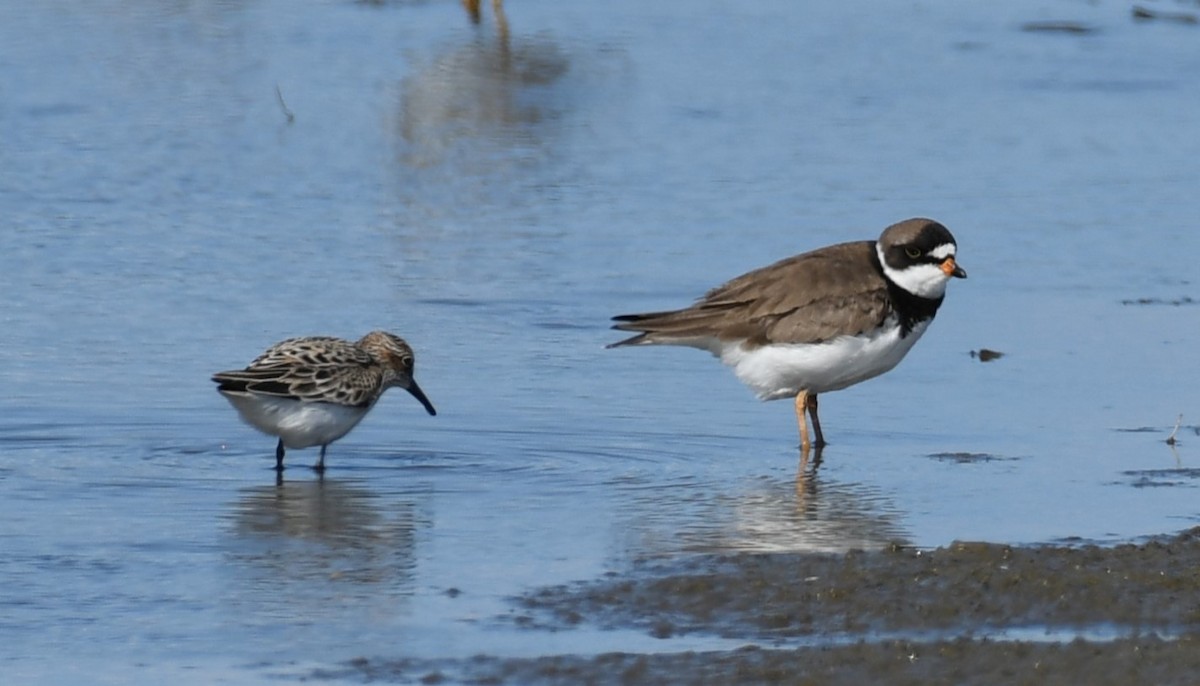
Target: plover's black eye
913, 253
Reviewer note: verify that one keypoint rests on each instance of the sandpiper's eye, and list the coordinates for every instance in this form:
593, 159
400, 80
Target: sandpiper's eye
407, 361
913, 253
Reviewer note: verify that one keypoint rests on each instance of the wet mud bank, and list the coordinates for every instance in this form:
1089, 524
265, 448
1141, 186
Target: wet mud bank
964, 587
961, 662
968, 613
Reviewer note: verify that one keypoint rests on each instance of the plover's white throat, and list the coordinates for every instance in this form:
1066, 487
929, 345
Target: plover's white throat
819, 321
312, 391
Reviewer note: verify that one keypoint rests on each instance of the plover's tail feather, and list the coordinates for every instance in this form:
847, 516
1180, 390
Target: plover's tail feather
693, 326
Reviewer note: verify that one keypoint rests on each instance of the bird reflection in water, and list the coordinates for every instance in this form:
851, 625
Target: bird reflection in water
808, 467
763, 514
475, 11
301, 532
482, 108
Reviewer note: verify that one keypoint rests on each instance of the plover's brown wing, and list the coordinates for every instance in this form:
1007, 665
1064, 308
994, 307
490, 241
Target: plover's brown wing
807, 298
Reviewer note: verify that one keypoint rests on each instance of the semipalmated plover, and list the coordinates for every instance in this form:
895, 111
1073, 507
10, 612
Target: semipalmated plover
312, 391
819, 321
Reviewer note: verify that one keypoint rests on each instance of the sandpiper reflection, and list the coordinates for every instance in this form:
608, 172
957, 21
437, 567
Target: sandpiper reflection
326, 530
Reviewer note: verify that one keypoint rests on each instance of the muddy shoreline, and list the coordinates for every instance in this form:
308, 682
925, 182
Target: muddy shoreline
961, 662
899, 616
960, 587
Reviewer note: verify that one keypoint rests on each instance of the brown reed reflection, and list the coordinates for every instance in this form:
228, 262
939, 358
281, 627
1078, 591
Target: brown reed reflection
472, 105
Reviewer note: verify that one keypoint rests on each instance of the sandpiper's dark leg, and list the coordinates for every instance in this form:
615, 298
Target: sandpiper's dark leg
279, 456
320, 465
812, 410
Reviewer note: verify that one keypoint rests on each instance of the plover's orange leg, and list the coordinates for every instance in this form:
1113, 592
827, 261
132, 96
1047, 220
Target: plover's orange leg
812, 411
801, 405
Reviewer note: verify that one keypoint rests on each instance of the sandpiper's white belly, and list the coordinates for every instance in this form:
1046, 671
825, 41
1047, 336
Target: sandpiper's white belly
298, 424
783, 370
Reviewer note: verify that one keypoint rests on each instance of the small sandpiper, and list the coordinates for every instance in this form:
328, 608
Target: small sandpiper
820, 321
312, 391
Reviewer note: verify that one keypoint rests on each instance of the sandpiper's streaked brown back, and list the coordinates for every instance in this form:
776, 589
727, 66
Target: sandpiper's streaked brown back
313, 390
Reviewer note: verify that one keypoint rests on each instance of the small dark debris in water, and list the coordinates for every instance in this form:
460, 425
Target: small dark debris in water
287, 112
1185, 300
986, 355
1143, 14
1071, 27
452, 592
968, 458
660, 629
1171, 439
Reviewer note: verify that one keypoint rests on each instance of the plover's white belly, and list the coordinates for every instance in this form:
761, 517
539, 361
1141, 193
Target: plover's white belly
783, 370
298, 424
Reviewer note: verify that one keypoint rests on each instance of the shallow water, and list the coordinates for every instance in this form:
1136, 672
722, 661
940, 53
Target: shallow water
494, 196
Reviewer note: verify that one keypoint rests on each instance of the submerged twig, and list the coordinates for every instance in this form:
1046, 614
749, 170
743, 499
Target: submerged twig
283, 105
1171, 439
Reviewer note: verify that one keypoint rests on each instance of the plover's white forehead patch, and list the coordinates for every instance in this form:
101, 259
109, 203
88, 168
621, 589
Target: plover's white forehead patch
943, 251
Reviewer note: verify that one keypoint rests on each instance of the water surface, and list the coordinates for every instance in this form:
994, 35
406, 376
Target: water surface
495, 194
